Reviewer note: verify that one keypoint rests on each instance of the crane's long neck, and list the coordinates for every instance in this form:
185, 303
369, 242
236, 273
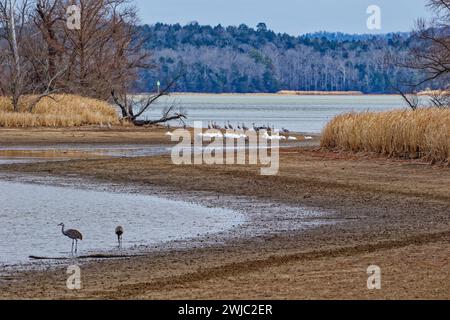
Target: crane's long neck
62, 230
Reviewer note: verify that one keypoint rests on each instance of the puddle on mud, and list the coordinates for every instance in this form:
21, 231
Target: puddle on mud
30, 215
29, 154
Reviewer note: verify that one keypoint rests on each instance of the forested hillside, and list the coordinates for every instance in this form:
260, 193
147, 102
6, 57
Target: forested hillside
243, 59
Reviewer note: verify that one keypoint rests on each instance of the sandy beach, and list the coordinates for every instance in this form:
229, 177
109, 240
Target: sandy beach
375, 211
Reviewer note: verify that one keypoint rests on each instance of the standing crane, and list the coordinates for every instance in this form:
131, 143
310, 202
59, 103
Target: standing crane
119, 233
75, 235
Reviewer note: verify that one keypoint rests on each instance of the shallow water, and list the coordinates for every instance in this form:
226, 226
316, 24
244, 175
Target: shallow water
296, 113
28, 154
30, 214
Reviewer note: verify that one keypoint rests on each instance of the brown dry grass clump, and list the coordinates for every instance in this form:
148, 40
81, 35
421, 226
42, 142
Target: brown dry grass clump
62, 111
424, 133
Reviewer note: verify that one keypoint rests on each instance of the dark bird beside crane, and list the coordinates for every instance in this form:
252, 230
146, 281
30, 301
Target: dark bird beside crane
119, 233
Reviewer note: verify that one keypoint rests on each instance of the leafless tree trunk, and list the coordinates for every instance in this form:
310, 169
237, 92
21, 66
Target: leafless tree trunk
132, 107
50, 21
429, 55
13, 82
18, 56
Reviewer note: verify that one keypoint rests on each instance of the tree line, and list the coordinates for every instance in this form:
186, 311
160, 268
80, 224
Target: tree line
243, 59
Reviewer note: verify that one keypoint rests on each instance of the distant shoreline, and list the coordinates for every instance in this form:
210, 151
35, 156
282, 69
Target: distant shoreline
286, 93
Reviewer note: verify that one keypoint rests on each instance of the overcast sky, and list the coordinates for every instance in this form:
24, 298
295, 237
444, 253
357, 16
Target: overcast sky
292, 16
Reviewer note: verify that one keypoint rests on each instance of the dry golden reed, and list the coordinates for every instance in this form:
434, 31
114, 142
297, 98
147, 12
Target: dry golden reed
62, 111
424, 133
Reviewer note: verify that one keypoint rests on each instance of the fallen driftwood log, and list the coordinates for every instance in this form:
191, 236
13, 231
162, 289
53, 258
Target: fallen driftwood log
92, 256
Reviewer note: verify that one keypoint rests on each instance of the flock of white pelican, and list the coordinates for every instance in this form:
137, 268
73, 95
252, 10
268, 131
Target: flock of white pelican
240, 131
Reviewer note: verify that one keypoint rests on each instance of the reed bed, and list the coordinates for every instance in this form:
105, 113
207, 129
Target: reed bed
62, 111
420, 134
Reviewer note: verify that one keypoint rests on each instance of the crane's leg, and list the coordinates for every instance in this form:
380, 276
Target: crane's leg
72, 246
76, 246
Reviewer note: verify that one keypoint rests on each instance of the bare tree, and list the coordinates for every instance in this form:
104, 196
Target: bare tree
13, 17
412, 99
25, 74
133, 107
49, 19
440, 98
428, 56
127, 59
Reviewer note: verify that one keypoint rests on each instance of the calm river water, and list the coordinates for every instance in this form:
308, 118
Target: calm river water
296, 113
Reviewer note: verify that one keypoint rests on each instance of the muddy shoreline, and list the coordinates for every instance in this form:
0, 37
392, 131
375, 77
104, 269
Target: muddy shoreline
392, 213
287, 218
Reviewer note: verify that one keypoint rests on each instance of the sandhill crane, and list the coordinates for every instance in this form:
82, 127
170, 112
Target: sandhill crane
75, 235
230, 126
119, 233
285, 130
209, 125
239, 126
225, 126
244, 127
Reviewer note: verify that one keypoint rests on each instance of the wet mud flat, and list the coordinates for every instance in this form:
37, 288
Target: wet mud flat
364, 211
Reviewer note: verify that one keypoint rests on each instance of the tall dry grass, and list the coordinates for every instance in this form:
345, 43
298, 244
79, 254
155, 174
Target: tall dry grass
424, 133
62, 111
